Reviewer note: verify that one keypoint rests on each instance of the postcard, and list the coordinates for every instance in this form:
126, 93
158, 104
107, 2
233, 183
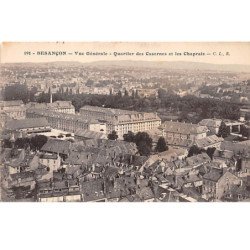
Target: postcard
125, 122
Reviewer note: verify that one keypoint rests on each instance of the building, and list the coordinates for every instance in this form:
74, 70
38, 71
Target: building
59, 191
65, 107
29, 126
212, 124
56, 146
122, 121
216, 183
51, 161
211, 141
13, 109
87, 134
68, 122
184, 131
147, 92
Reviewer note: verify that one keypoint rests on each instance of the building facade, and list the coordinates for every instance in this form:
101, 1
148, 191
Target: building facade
65, 107
67, 122
29, 126
13, 109
122, 121
183, 131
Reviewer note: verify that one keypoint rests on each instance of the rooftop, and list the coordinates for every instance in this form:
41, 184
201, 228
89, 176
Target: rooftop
56, 146
208, 141
185, 128
26, 123
211, 122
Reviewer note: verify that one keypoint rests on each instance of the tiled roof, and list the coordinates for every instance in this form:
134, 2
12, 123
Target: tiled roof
179, 142
53, 105
26, 123
93, 190
145, 193
236, 147
213, 175
208, 141
90, 134
198, 159
11, 103
120, 115
23, 175
185, 128
56, 146
211, 123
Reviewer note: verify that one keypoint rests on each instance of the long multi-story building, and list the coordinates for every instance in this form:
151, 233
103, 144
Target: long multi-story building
13, 109
57, 106
67, 122
183, 131
122, 121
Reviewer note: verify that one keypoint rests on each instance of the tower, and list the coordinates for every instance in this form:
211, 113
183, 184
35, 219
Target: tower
50, 96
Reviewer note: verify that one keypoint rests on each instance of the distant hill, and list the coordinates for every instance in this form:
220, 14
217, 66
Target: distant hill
171, 65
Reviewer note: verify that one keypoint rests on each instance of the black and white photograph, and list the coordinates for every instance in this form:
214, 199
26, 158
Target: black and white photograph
125, 122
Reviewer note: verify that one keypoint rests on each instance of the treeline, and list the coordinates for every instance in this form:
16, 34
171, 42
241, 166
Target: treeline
202, 107
166, 101
34, 143
143, 142
19, 91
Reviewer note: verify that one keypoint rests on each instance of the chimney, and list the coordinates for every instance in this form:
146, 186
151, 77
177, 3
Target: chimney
51, 98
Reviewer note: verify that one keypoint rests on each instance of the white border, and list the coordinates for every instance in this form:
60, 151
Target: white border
124, 226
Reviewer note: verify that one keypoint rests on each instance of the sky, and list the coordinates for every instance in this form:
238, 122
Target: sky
215, 52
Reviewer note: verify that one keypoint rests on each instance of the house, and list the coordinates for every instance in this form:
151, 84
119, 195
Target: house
189, 180
181, 130
57, 146
145, 194
13, 158
93, 191
245, 165
237, 193
59, 191
197, 160
51, 161
212, 124
26, 178
216, 183
211, 141
13, 109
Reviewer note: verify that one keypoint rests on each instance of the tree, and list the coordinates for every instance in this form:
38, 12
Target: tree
129, 137
16, 91
210, 152
125, 93
38, 141
194, 150
224, 131
119, 93
143, 143
22, 142
143, 148
161, 145
113, 136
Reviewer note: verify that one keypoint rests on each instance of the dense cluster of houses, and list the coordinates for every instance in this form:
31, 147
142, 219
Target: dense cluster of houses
105, 170
92, 168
